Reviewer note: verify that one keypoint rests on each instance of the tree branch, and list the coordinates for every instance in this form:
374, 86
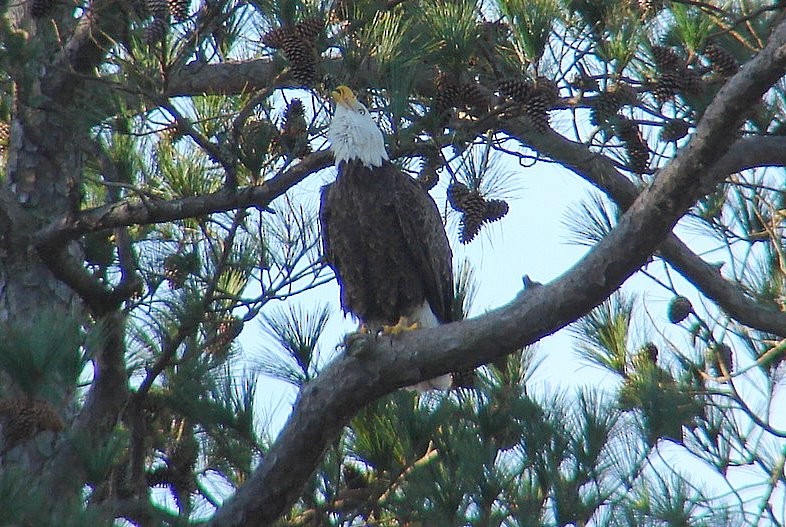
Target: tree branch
136, 211
750, 152
229, 77
86, 47
352, 381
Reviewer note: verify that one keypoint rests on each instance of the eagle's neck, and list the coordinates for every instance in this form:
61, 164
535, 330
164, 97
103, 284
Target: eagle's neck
356, 137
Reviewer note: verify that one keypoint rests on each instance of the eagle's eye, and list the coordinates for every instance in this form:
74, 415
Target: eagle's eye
361, 111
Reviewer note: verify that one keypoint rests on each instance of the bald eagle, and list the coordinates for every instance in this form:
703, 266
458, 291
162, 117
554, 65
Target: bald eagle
382, 233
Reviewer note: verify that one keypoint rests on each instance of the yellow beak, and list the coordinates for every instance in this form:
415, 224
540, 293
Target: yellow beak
344, 96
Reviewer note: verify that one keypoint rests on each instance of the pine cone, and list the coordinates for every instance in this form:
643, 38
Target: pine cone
155, 30
690, 82
517, 90
449, 92
41, 8
473, 217
179, 9
537, 110
298, 47
635, 146
624, 94
638, 156
471, 96
679, 309
548, 90
158, 9
275, 37
293, 140
469, 227
302, 57
721, 60
24, 418
5, 136
496, 209
626, 129
666, 59
666, 86
458, 196
309, 29
609, 102
255, 142
674, 130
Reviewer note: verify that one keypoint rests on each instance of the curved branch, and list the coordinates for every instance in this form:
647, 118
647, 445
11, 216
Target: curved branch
135, 211
352, 381
750, 152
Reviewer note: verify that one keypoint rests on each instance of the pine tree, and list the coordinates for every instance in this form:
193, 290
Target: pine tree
161, 262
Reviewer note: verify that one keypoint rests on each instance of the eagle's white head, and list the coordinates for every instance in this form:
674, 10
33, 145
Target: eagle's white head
353, 134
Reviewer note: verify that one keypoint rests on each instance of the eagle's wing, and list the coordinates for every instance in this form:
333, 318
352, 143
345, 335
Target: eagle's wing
421, 225
325, 212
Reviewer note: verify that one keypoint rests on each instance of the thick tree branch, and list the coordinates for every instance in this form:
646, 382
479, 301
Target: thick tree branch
351, 381
138, 211
105, 401
230, 77
599, 170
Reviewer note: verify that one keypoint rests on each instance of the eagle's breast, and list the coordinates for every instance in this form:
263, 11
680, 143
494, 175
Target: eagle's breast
379, 277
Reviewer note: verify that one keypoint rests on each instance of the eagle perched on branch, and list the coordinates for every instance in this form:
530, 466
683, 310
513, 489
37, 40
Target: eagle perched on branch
382, 234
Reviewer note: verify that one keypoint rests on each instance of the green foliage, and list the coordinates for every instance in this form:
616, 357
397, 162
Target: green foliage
295, 331
591, 220
689, 30
45, 356
30, 504
531, 25
604, 333
451, 36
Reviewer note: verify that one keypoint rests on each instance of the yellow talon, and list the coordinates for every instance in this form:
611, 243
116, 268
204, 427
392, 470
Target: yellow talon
401, 326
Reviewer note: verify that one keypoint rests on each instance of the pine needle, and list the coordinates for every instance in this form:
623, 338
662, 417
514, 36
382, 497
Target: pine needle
590, 221
296, 332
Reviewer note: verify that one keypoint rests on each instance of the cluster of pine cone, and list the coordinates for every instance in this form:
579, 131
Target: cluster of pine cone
298, 43
535, 97
674, 75
610, 101
160, 12
455, 93
24, 418
476, 210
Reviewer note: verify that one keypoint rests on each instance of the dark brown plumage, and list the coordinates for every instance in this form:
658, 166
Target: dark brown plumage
383, 236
